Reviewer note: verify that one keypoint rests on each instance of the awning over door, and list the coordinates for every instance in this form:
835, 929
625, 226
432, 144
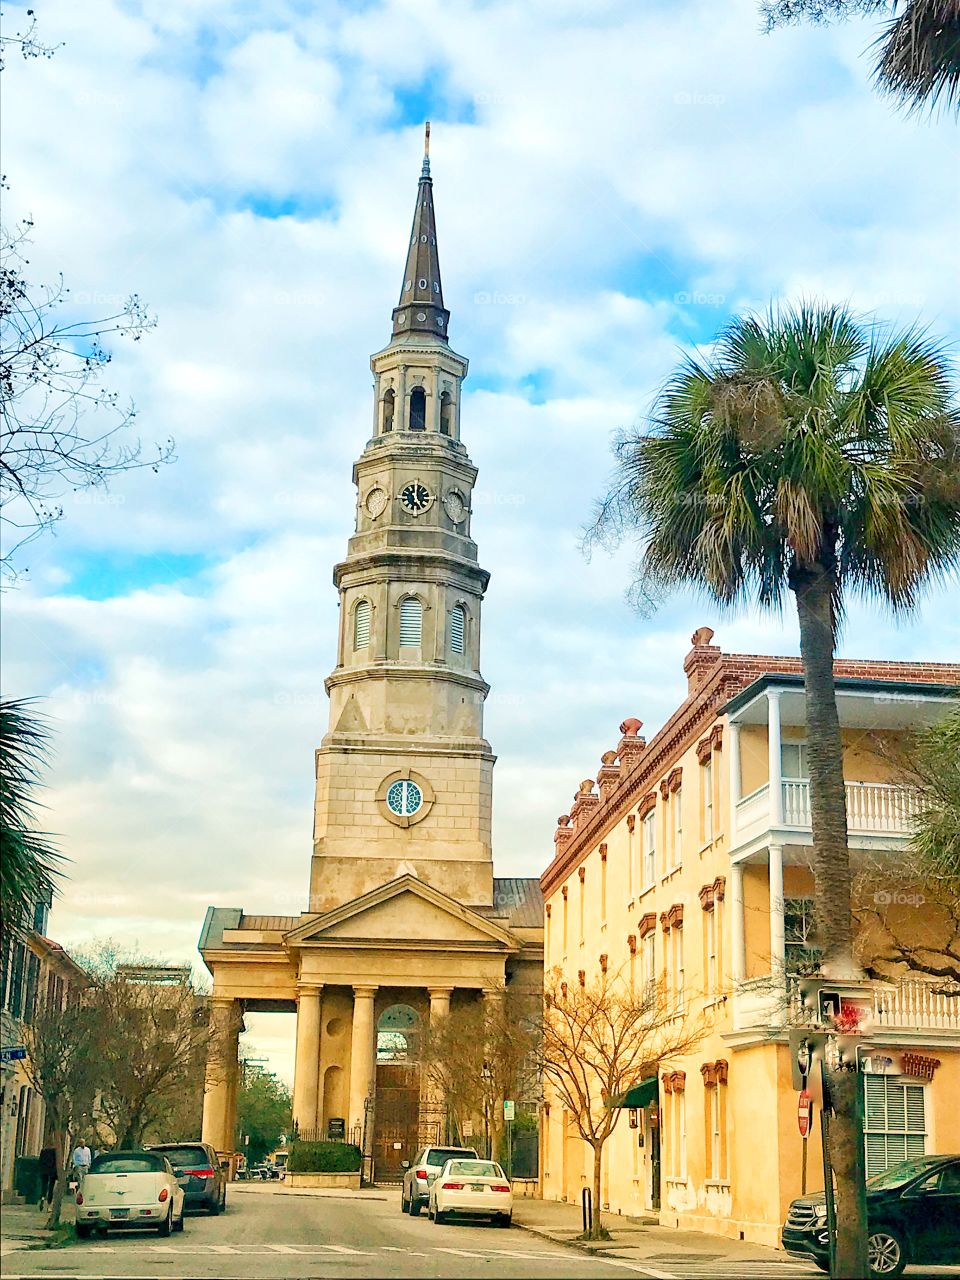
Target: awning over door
638, 1095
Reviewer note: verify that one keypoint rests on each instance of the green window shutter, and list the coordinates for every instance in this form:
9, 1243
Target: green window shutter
361, 625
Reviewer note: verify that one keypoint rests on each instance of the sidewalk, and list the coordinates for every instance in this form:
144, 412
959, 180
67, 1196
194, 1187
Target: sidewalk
632, 1240
22, 1225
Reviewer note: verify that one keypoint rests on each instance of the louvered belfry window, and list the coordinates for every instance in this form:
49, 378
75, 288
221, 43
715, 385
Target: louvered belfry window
458, 622
361, 625
411, 622
895, 1122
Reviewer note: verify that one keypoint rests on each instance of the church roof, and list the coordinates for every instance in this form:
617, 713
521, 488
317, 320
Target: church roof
518, 901
420, 309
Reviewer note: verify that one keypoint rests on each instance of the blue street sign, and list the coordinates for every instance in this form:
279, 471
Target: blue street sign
13, 1055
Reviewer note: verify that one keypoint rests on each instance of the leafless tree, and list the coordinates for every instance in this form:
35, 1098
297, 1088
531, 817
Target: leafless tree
601, 1038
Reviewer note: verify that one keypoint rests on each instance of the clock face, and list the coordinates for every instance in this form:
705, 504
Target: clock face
455, 506
415, 497
376, 502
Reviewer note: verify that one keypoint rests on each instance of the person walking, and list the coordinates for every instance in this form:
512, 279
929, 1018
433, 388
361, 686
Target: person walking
81, 1160
49, 1172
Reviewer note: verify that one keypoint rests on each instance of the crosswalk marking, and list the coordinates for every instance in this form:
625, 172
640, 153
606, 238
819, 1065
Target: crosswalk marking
461, 1253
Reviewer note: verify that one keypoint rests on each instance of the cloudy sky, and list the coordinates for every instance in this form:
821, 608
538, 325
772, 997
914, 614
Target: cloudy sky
613, 179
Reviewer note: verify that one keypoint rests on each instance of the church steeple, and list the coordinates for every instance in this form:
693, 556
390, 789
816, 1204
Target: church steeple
420, 309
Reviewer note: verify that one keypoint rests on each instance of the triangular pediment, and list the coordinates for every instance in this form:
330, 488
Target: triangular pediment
405, 910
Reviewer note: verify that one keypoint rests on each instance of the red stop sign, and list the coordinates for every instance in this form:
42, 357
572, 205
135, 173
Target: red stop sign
804, 1105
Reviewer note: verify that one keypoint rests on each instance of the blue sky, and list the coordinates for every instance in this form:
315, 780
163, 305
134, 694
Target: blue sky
612, 181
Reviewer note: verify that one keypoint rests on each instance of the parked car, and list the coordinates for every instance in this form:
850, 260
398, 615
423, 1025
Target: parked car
420, 1175
198, 1171
474, 1188
130, 1189
913, 1216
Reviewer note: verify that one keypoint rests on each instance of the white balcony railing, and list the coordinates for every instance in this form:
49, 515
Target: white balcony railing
871, 806
911, 1005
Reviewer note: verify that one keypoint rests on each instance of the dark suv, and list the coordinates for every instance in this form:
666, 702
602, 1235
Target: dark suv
913, 1215
198, 1171
418, 1176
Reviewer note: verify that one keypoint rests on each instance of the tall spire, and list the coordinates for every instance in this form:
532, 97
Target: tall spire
421, 309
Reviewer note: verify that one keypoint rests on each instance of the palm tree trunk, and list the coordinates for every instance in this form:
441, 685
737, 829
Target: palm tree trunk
828, 803
813, 587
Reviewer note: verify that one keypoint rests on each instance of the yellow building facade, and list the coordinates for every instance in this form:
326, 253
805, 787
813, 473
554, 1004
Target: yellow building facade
685, 861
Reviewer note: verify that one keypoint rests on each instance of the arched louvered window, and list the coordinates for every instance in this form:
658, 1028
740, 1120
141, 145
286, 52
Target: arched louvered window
411, 622
418, 409
458, 627
361, 624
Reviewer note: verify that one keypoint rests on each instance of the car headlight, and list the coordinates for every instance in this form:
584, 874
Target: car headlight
820, 1216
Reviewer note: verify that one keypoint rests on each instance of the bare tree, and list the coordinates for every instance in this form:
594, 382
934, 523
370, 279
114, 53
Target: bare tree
481, 1054
601, 1038
52, 366
63, 1067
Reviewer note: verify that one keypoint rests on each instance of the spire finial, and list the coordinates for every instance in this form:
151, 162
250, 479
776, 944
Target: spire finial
425, 171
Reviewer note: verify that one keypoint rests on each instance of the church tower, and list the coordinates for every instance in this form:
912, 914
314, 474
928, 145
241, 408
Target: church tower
404, 774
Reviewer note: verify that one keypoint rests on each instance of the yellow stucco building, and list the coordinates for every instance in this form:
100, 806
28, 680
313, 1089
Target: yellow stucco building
405, 918
686, 862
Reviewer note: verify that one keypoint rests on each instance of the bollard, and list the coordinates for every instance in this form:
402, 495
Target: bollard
586, 1203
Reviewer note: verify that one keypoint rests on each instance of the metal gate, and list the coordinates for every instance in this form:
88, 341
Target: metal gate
397, 1119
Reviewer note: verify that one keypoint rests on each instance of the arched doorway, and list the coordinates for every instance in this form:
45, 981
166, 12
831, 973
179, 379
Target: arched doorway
396, 1131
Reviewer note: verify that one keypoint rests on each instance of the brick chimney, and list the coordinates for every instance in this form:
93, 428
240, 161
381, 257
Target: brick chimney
609, 775
701, 660
632, 746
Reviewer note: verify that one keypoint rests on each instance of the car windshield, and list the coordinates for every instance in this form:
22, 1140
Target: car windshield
186, 1157
440, 1155
138, 1162
475, 1168
898, 1174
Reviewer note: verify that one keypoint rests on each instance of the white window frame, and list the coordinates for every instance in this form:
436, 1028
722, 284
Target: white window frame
362, 623
458, 630
648, 968
710, 925
706, 781
678, 827
676, 941
716, 1136
888, 1139
411, 622
649, 874
802, 772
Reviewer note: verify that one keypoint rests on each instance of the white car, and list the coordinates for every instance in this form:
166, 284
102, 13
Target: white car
130, 1189
478, 1188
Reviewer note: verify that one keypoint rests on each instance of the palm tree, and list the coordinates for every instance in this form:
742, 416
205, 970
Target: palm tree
29, 867
918, 53
816, 455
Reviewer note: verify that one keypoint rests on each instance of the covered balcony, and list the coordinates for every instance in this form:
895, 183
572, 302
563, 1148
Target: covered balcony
914, 1005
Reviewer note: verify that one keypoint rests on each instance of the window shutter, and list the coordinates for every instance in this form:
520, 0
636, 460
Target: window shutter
411, 622
895, 1122
457, 629
361, 625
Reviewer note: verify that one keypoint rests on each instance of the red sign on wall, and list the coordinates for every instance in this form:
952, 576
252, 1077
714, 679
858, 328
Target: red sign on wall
804, 1106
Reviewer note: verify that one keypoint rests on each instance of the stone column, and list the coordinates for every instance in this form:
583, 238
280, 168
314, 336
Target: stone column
401, 419
439, 1002
773, 757
777, 949
737, 958
306, 1071
220, 1085
363, 1055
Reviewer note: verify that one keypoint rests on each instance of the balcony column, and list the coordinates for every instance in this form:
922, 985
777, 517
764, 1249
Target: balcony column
773, 757
737, 959
733, 729
363, 1055
306, 1070
777, 950
219, 1094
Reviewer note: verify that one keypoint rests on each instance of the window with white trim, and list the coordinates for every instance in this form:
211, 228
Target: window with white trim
794, 762
649, 849
710, 929
706, 784
458, 628
676, 940
411, 622
677, 827
649, 946
895, 1126
800, 954
361, 624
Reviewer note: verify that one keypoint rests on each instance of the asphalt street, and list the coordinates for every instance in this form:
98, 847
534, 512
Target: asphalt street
284, 1236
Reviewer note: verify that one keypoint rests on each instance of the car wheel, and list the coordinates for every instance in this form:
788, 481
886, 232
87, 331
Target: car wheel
885, 1253
505, 1220
822, 1263
178, 1224
213, 1208
439, 1217
404, 1202
84, 1230
415, 1206
223, 1201
166, 1226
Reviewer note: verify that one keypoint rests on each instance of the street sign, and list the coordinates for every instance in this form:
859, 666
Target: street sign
466, 1130
14, 1054
804, 1102
509, 1110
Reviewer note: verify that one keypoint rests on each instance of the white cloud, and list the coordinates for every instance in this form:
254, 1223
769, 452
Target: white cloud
603, 176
